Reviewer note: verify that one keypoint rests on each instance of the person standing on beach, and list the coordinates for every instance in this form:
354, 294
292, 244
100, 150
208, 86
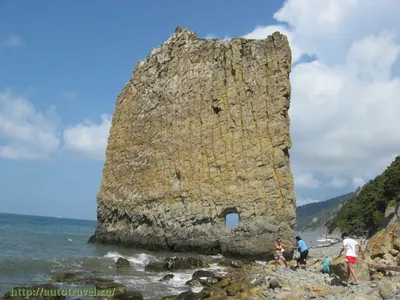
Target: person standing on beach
351, 257
279, 249
303, 248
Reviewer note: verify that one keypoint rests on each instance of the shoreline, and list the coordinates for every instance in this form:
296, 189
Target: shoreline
230, 278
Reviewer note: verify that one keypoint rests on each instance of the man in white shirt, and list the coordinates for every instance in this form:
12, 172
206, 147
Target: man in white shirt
351, 257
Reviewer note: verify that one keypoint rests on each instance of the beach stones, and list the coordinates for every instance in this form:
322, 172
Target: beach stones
173, 264
108, 285
237, 287
339, 267
156, 266
237, 264
388, 290
182, 263
201, 273
122, 263
189, 295
65, 277
167, 277
130, 295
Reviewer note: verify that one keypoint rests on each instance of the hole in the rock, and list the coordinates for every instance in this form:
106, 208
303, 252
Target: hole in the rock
216, 109
177, 175
233, 72
286, 152
232, 220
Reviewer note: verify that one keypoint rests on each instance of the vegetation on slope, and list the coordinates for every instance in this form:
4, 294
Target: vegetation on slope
315, 216
365, 212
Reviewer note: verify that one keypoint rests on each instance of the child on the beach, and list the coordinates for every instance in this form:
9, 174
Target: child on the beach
351, 257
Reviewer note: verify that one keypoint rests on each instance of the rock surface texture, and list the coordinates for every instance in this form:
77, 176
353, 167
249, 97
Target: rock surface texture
200, 131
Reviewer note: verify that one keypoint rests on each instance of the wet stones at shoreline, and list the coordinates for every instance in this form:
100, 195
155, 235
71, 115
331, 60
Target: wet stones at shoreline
174, 263
256, 281
122, 263
120, 290
167, 277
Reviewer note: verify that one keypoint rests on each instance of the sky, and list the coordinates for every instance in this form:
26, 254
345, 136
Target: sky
63, 64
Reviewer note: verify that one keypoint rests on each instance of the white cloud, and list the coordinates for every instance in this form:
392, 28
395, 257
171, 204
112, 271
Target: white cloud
306, 180
337, 182
25, 133
344, 106
88, 138
303, 201
13, 41
358, 182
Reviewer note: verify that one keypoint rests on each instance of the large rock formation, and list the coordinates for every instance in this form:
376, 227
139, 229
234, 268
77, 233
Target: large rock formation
201, 130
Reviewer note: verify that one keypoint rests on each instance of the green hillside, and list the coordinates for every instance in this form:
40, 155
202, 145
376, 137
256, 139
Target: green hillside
316, 216
365, 212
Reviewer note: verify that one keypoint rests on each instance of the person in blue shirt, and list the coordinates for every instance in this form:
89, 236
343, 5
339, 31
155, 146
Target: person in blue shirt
302, 247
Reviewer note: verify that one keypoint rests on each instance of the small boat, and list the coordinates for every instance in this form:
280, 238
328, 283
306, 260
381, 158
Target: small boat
327, 239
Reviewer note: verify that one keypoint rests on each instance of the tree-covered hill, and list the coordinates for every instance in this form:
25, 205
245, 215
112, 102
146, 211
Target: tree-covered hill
315, 216
365, 211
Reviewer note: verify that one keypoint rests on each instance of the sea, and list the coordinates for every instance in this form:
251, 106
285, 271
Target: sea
34, 248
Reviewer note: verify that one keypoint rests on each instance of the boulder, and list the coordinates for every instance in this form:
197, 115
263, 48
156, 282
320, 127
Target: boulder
172, 297
339, 267
167, 277
201, 273
223, 283
237, 287
130, 295
194, 284
189, 295
122, 263
119, 288
279, 282
181, 263
237, 264
255, 293
383, 241
217, 293
156, 266
67, 277
388, 290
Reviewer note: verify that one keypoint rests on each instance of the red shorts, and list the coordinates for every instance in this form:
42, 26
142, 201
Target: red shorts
351, 259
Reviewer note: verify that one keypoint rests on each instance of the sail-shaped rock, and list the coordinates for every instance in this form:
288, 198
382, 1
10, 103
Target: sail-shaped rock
200, 131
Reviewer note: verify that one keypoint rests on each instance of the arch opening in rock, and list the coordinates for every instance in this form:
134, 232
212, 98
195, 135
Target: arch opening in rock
232, 220
232, 217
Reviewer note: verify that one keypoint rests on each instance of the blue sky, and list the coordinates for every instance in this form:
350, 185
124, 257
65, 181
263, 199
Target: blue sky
62, 65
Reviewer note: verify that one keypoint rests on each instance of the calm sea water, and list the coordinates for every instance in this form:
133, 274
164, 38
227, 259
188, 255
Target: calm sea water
33, 248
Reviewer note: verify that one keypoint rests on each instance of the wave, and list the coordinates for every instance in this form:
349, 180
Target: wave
139, 260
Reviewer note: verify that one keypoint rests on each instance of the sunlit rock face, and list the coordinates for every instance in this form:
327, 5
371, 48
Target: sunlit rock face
201, 130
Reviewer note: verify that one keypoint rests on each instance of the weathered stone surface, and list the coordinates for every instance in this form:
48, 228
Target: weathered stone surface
384, 241
388, 290
339, 267
201, 130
